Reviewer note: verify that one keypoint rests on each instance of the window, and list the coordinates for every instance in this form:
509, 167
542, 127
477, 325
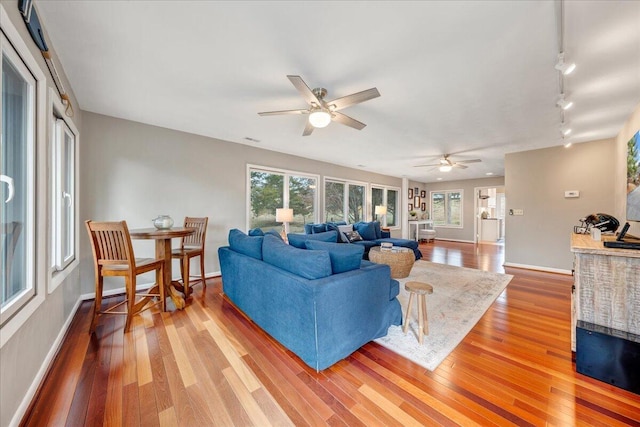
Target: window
17, 173
344, 201
63, 192
446, 208
272, 189
388, 197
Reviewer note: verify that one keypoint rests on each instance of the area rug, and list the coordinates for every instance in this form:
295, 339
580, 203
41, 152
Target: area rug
460, 297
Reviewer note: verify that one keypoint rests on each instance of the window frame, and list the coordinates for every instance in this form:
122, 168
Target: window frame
59, 266
285, 196
10, 324
345, 207
446, 199
385, 200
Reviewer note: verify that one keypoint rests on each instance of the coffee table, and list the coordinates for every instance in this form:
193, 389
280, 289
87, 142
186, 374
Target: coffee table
399, 259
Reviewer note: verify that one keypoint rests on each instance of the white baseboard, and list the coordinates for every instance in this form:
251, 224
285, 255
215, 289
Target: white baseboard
142, 287
31, 392
454, 240
538, 268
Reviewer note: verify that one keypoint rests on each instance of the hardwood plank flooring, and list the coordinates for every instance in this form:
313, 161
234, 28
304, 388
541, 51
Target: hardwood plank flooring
210, 365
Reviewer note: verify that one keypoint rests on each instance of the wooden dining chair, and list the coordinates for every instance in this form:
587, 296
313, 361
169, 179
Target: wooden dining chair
192, 246
113, 256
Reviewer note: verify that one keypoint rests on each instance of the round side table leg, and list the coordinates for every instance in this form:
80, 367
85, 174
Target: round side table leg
405, 327
420, 320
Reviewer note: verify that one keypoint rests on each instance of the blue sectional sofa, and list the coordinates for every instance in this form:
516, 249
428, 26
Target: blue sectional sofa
322, 303
370, 232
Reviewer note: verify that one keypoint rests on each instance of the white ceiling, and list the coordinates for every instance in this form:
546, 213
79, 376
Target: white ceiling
475, 79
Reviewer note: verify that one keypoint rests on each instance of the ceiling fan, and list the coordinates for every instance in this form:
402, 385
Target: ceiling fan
446, 164
322, 112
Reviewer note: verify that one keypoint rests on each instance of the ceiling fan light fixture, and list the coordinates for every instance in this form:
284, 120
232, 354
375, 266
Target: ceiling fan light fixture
563, 103
445, 168
320, 118
564, 67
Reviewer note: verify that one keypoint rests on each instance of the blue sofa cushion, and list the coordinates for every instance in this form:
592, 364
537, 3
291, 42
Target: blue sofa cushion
366, 230
246, 245
343, 257
305, 263
318, 228
256, 232
376, 227
274, 232
298, 240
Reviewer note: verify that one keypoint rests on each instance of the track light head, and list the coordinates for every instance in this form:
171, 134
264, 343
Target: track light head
565, 68
565, 130
563, 103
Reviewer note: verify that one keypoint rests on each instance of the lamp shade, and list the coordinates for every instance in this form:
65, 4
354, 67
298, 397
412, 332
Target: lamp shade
284, 215
381, 210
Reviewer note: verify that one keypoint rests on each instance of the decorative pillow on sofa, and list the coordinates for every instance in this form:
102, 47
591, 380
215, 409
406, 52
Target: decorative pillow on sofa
318, 228
353, 236
256, 232
246, 245
378, 230
305, 263
343, 257
366, 229
298, 240
274, 232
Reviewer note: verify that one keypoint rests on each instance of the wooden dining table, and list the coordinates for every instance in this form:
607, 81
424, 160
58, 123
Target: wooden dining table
163, 251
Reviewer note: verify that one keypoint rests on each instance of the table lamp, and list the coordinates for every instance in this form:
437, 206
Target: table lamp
380, 210
285, 216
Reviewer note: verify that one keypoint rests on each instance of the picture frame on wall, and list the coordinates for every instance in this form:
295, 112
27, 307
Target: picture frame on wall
423, 206
410, 193
416, 191
423, 194
410, 207
416, 202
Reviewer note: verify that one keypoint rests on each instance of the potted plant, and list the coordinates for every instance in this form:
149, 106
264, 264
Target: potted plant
413, 215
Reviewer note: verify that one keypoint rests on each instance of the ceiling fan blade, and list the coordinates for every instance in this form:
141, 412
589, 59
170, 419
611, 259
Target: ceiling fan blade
470, 161
308, 128
273, 113
354, 98
304, 90
348, 121
422, 166
459, 166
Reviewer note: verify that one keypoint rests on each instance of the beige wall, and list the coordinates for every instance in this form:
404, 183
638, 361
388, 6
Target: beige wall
134, 171
25, 355
628, 130
536, 180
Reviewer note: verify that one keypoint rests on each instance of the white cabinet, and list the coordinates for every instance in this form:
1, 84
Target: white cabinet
491, 229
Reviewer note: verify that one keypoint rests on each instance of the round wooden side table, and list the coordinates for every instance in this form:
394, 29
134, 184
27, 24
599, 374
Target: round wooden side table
399, 259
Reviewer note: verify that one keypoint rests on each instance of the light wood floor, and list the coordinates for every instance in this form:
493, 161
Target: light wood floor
209, 365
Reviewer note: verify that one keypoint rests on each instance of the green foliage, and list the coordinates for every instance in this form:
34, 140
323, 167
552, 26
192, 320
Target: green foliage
633, 160
266, 192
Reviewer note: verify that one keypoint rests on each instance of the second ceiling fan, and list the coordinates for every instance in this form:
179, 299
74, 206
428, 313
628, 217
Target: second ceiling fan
445, 164
322, 112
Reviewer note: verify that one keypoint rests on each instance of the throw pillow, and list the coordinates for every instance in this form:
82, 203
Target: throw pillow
366, 230
318, 228
298, 240
274, 232
309, 264
343, 257
256, 232
353, 236
378, 230
246, 245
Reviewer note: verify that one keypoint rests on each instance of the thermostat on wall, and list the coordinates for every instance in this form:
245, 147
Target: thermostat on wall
572, 193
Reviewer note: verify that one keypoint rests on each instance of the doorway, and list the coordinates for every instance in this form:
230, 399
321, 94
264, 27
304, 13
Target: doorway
489, 224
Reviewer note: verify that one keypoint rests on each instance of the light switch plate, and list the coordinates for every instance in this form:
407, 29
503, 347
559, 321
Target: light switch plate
518, 212
571, 193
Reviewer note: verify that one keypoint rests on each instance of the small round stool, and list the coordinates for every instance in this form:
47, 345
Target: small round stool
422, 290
